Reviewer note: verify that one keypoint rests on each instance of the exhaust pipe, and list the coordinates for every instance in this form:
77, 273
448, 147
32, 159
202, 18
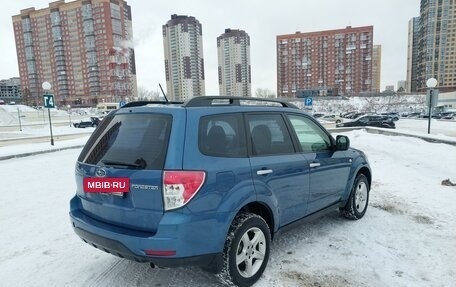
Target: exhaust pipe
153, 266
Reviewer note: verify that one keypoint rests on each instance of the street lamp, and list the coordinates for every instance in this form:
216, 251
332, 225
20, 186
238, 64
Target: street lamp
19, 118
69, 113
46, 87
431, 84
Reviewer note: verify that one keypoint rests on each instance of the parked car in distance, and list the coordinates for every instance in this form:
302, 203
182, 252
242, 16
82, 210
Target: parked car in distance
92, 122
211, 182
370, 120
394, 115
330, 118
318, 115
449, 116
414, 115
356, 115
444, 115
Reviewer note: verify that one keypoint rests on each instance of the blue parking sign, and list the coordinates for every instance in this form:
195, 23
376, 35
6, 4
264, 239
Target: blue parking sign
121, 104
308, 101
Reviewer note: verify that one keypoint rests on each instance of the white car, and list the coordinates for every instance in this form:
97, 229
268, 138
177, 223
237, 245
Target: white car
331, 118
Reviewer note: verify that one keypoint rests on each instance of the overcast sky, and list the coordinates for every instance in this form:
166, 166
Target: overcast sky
262, 20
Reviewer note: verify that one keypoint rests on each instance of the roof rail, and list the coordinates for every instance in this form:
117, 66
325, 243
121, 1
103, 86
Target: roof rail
143, 103
207, 101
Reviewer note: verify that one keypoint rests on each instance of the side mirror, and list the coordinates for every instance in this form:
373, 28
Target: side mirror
342, 142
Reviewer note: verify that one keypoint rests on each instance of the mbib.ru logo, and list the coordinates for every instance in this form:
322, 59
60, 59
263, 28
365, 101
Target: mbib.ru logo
106, 184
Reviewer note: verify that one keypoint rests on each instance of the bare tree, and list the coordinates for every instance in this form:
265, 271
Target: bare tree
26, 97
147, 95
264, 93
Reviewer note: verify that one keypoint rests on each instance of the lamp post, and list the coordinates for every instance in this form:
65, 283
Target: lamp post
69, 113
48, 103
19, 118
431, 84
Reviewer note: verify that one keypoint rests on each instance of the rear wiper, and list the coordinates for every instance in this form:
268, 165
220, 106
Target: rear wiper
139, 163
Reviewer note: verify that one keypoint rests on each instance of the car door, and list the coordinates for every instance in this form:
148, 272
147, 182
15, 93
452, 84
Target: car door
279, 173
329, 168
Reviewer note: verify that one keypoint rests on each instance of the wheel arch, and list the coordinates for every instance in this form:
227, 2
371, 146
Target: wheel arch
364, 170
263, 210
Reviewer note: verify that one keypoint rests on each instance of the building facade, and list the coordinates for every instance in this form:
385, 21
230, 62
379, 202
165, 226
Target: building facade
412, 54
336, 60
81, 48
401, 86
437, 39
10, 90
234, 74
184, 62
376, 67
389, 88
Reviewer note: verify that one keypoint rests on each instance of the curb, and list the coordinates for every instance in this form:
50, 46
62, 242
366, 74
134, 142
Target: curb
393, 133
47, 137
38, 152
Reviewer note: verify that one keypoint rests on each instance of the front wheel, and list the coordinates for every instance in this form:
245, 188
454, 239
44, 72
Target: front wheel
359, 198
246, 251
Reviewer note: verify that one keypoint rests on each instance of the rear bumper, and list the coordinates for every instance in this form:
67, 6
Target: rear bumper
215, 261
194, 240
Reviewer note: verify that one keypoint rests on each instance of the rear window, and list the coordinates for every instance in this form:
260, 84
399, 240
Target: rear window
136, 141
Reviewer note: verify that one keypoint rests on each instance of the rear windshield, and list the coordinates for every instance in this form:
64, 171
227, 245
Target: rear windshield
134, 141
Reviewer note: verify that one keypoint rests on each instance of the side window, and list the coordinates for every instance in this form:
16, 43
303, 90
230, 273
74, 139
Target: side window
311, 137
364, 120
222, 135
269, 135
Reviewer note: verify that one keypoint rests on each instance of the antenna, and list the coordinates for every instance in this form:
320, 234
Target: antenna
164, 95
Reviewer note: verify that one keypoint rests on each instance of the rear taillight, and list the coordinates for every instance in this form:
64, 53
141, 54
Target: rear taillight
179, 187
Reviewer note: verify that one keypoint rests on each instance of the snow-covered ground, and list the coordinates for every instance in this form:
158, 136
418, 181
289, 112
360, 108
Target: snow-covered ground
407, 238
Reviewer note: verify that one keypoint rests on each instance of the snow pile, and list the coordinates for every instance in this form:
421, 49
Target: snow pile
393, 103
14, 108
7, 118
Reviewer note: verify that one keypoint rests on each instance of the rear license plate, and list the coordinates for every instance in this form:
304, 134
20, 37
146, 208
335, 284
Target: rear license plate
111, 185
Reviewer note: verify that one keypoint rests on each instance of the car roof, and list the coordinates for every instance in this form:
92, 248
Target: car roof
217, 102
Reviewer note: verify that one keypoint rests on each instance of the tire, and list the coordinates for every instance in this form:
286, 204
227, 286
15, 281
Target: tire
246, 250
338, 121
359, 199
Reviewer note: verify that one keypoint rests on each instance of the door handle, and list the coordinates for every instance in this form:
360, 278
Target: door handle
264, 171
314, 164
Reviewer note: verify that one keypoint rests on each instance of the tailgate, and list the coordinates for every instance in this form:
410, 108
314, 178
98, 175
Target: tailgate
119, 171
140, 208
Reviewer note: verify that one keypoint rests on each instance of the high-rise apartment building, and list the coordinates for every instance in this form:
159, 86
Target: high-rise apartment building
184, 64
79, 47
412, 54
10, 90
233, 49
436, 56
376, 67
336, 60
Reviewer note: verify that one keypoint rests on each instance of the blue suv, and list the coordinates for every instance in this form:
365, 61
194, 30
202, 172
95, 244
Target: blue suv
211, 182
